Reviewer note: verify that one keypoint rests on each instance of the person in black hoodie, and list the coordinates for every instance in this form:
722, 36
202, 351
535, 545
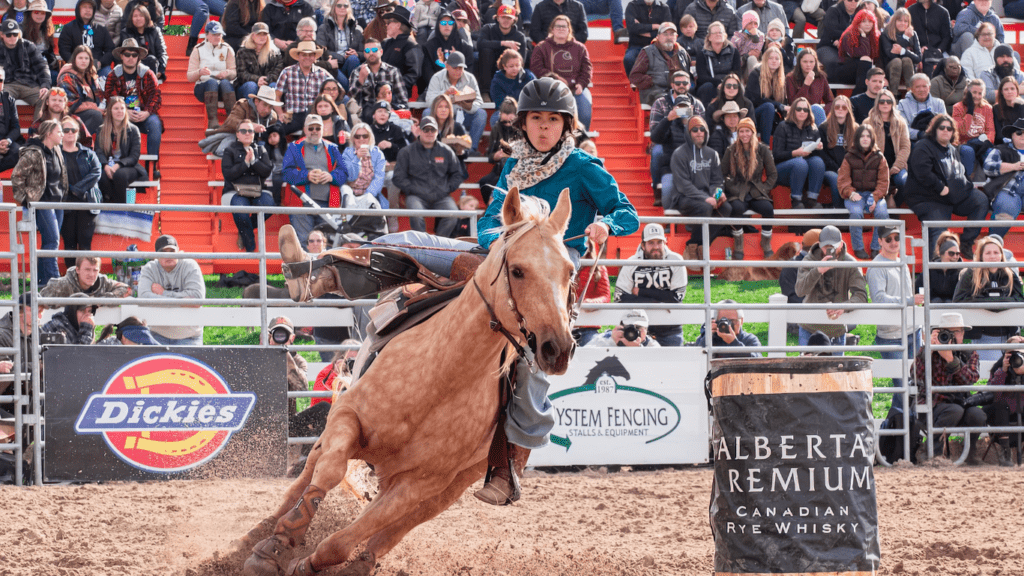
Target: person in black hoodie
445, 40
75, 322
142, 29
938, 187
81, 31
10, 130
386, 132
282, 16
239, 16
341, 26
246, 164
931, 22
401, 50
796, 165
494, 39
41, 171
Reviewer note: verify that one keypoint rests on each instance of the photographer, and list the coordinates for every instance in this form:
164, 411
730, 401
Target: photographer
728, 331
631, 332
950, 368
998, 406
75, 322
826, 284
282, 333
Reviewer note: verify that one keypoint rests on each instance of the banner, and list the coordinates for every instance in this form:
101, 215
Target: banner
628, 406
148, 412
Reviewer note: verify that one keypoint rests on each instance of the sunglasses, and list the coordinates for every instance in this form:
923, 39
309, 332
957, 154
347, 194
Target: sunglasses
891, 238
733, 86
889, 102
371, 50
952, 253
682, 83
58, 92
12, 35
803, 109
360, 136
840, 107
246, 131
697, 129
945, 128
129, 55
447, 22
70, 130
314, 128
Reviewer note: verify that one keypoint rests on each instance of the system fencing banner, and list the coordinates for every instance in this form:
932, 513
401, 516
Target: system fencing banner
628, 406
147, 412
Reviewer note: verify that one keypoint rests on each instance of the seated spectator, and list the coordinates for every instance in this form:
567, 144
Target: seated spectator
78, 80
949, 84
631, 331
258, 62
688, 37
950, 368
335, 372
998, 406
931, 22
1005, 67
200, 11
648, 282
335, 123
469, 31
561, 54
766, 90
24, 343
10, 129
835, 22
365, 165
294, 82
776, 36
727, 119
40, 173
424, 17
257, 108
212, 67
109, 15
544, 15
797, 165
155, 8
969, 21
82, 31
137, 85
503, 133
643, 22
239, 18
858, 50
391, 140
282, 17
938, 186
863, 183
118, 146
749, 41
705, 12
246, 165
75, 322
427, 172
766, 10
467, 203
919, 107
84, 170
863, 103
808, 81
373, 24
750, 175
669, 115
27, 76
836, 134
38, 29
442, 43
277, 146
1009, 106
173, 278
815, 14
697, 182
332, 88
730, 90
342, 39
718, 59
401, 118
989, 285
400, 48
509, 80
449, 131
787, 277
316, 166
495, 42
149, 36
305, 31
1004, 165
83, 277
16, 10
365, 80
656, 62
942, 282
980, 56
893, 140
457, 83
129, 332
827, 284
900, 49
56, 108
975, 126
728, 331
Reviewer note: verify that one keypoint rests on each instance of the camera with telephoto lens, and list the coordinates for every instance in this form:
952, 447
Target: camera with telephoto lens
280, 335
723, 325
1016, 359
946, 337
631, 332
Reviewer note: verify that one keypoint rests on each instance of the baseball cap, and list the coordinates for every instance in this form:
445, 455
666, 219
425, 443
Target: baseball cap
830, 236
382, 105
653, 231
667, 26
635, 318
313, 119
260, 28
164, 242
506, 10
428, 122
456, 60
9, 26
214, 27
886, 231
26, 299
460, 14
281, 322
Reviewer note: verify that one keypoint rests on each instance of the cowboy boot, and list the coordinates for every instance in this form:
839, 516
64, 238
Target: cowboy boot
303, 287
229, 102
766, 244
210, 99
737, 244
1003, 453
502, 487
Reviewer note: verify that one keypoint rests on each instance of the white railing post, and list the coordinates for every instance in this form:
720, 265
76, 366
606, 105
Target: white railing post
777, 323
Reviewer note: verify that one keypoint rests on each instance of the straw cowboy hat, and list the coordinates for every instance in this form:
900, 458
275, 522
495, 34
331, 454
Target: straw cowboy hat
130, 44
305, 46
951, 320
729, 108
268, 95
38, 6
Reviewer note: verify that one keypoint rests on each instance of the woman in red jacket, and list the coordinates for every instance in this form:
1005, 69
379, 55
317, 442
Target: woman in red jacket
858, 51
974, 125
598, 292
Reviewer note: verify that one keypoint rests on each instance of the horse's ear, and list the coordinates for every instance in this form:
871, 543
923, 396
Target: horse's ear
563, 210
512, 209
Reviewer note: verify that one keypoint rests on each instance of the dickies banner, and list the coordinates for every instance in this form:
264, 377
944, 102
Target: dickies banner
147, 412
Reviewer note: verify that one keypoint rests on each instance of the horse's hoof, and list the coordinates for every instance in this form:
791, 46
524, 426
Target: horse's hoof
364, 565
303, 567
262, 530
268, 558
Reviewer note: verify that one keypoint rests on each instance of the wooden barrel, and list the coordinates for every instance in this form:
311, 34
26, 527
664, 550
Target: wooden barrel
793, 445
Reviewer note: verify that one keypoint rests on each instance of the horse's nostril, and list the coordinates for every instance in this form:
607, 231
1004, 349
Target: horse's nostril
550, 349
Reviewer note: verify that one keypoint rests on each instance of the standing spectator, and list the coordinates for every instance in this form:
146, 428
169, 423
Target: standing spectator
212, 67
137, 85
750, 175
342, 39
826, 284
919, 106
931, 22
258, 62
967, 24
365, 80
172, 278
78, 80
75, 322
892, 138
937, 185
282, 17
427, 172
25, 72
200, 11
808, 81
900, 49
40, 173
315, 165
942, 281
118, 146
949, 83
613, 8
858, 50
84, 170
990, 285
10, 128
766, 90
980, 55
299, 85
837, 19
109, 15
697, 182
400, 48
84, 276
82, 31
38, 29
836, 135
365, 165
669, 117
787, 277
705, 12
239, 18
245, 166
1004, 165
544, 15
509, 80
644, 19
454, 82
748, 41
863, 183
560, 53
730, 90
148, 36
650, 282
863, 103
1005, 67
718, 59
797, 165
656, 63
442, 43
766, 10
975, 126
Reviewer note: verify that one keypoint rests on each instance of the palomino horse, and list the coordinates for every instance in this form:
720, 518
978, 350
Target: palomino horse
424, 413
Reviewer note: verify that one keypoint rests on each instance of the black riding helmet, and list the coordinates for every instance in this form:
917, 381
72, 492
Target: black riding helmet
547, 95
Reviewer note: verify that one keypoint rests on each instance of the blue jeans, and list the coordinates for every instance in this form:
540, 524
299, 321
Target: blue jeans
657, 154
913, 342
475, 122
223, 87
974, 207
443, 226
191, 341
832, 180
819, 114
798, 172
245, 89
630, 58
346, 68
153, 128
803, 336
764, 117
435, 261
246, 223
527, 14
304, 224
584, 104
880, 210
1014, 9
200, 11
611, 7
48, 223
1006, 206
666, 188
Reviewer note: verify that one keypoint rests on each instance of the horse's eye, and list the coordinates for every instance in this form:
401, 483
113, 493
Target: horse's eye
518, 273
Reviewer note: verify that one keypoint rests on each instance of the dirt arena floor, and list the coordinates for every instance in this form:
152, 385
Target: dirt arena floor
934, 520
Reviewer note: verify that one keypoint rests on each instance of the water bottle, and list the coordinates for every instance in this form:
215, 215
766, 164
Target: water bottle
129, 196
136, 276
728, 253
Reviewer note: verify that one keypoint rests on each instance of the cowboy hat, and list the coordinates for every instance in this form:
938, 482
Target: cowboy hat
729, 108
268, 95
400, 13
38, 6
1009, 129
384, 4
130, 44
305, 46
951, 320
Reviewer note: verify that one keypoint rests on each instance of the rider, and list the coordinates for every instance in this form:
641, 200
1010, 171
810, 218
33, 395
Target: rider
542, 164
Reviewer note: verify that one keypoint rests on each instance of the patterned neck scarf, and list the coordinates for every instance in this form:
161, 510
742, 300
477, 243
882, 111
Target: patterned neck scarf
533, 166
365, 176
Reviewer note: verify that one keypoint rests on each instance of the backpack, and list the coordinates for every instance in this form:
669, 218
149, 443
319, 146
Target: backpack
891, 447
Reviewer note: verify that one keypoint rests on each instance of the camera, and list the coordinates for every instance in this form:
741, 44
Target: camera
52, 338
829, 250
723, 325
994, 291
946, 337
1016, 359
631, 332
349, 364
279, 335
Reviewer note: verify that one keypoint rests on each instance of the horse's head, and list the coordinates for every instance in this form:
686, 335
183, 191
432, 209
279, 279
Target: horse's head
532, 257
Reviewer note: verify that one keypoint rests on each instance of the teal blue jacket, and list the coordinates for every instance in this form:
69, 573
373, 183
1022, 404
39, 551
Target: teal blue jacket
592, 190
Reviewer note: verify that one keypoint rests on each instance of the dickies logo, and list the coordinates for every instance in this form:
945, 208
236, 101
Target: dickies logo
165, 413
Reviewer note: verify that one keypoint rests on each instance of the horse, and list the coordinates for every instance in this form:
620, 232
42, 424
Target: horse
424, 413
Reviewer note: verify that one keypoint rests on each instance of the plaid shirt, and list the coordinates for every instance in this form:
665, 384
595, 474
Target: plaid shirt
299, 90
955, 373
366, 93
663, 105
993, 161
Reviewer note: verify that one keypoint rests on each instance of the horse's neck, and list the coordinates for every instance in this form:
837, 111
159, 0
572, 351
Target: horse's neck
464, 325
